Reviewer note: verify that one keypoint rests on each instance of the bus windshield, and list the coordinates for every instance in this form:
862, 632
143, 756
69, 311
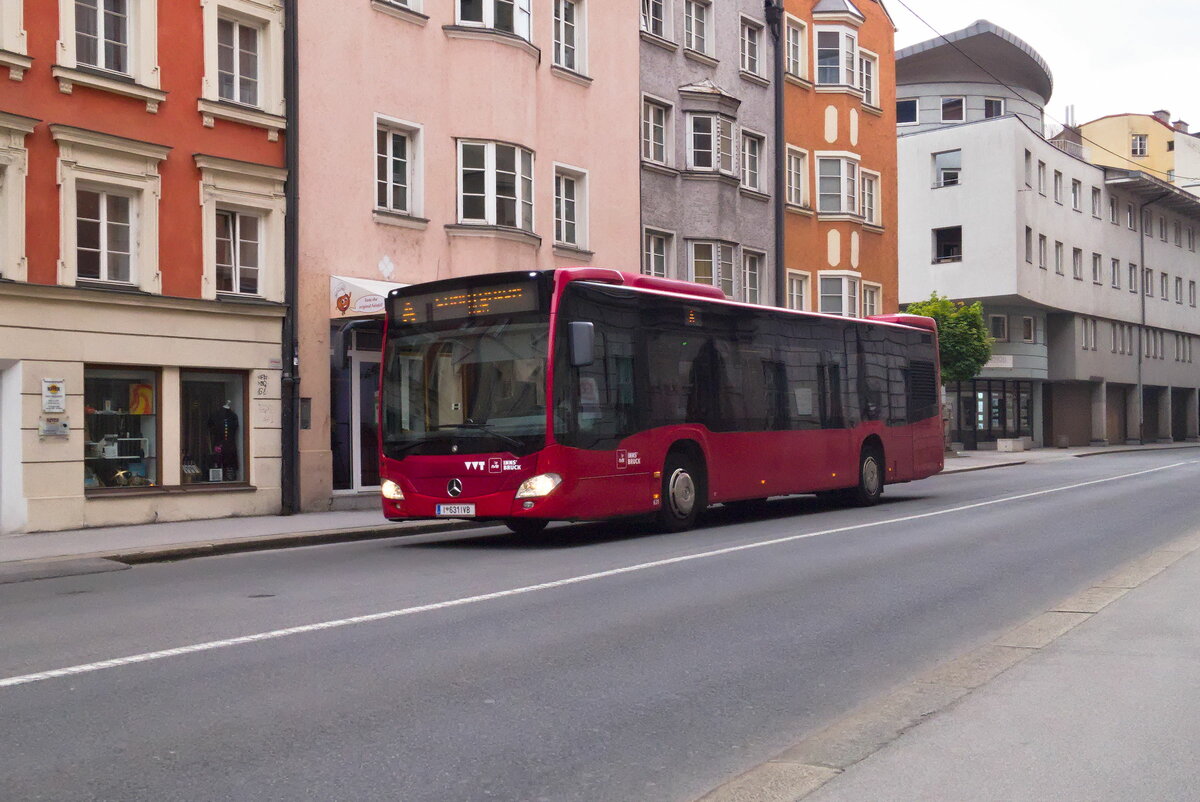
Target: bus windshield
466, 386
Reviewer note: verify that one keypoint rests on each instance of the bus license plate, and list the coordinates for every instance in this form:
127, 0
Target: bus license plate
455, 510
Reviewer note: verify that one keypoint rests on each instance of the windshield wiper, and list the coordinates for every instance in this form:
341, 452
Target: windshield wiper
482, 427
399, 447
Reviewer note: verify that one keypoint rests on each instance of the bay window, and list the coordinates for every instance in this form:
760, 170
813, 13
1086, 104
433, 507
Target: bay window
837, 57
710, 143
495, 185
509, 16
839, 295
712, 263
837, 185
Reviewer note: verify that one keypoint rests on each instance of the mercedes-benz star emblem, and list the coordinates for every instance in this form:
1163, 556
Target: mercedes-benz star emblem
454, 488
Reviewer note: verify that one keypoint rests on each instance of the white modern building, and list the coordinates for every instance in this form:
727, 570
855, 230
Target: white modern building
1088, 275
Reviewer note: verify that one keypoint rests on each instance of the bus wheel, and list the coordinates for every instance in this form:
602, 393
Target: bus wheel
683, 493
870, 478
525, 527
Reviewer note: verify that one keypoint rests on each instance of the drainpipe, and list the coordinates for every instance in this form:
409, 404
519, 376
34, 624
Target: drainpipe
290, 381
773, 11
1141, 400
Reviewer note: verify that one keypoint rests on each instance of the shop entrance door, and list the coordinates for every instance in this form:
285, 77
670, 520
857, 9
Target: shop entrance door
364, 406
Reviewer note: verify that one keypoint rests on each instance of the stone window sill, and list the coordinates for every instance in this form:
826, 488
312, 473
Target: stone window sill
400, 12
212, 110
573, 252
658, 41
17, 64
800, 210
703, 58
496, 232
570, 75
753, 78
68, 78
388, 217
492, 35
797, 80
661, 169
753, 194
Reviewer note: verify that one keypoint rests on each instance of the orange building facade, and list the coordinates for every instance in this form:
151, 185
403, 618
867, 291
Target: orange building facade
840, 237
141, 260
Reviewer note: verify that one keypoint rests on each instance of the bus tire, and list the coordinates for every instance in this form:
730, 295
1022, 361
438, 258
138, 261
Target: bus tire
525, 527
683, 492
870, 477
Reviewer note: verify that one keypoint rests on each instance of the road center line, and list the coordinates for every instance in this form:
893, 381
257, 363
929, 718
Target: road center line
146, 657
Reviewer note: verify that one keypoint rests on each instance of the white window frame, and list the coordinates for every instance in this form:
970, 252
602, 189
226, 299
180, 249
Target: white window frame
869, 289
1058, 186
1003, 107
258, 190
847, 178
916, 111
1097, 202
14, 45
803, 279
237, 216
724, 274
14, 168
1059, 258
1029, 244
1097, 269
663, 20
238, 25
751, 289
1077, 264
797, 180
668, 239
754, 153
868, 79
698, 41
120, 165
577, 46
723, 153
962, 102
142, 56
522, 17
1043, 251
1139, 145
268, 113
1192, 294
847, 77
849, 294
796, 53
1179, 289
1113, 214
525, 196
578, 175
668, 132
415, 134
1041, 176
871, 202
1076, 195
1115, 269
104, 192
752, 53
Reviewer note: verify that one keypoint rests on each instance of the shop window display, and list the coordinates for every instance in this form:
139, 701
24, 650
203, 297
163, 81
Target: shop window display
121, 428
213, 436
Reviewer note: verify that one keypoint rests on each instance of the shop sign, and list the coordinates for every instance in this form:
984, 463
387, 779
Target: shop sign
54, 395
54, 426
1000, 361
369, 304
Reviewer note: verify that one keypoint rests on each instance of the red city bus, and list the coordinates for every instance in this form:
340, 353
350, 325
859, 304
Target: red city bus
586, 393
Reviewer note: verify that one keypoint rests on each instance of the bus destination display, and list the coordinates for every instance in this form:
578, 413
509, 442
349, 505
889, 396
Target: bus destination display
456, 304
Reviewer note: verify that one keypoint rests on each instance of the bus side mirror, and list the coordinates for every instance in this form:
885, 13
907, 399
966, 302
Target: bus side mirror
582, 339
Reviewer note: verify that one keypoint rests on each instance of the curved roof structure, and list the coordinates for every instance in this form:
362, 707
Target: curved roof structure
961, 56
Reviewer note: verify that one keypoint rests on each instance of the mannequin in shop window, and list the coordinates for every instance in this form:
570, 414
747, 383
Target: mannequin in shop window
223, 436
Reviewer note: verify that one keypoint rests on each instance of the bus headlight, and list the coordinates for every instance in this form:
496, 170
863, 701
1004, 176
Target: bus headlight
538, 486
391, 490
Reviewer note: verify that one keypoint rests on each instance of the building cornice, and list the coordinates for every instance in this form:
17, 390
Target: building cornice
133, 297
95, 139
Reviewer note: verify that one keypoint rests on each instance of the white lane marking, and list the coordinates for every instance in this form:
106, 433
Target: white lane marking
146, 657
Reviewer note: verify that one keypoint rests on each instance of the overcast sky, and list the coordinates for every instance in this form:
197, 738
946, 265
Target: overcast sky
1106, 56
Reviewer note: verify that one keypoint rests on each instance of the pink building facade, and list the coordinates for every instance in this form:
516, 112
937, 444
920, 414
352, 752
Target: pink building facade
443, 139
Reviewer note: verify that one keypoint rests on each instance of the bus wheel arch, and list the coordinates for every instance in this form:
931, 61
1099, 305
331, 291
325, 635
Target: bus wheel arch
684, 486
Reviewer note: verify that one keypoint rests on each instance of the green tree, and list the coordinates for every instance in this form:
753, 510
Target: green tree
962, 336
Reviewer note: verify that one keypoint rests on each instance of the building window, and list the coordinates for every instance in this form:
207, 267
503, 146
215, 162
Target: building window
797, 35
1164, 286
1058, 258
569, 45
239, 254
1191, 293
1042, 251
1148, 282
797, 290
906, 111
1077, 195
1178, 290
947, 168
1177, 231
1138, 145
1112, 211
495, 185
102, 34
953, 109
947, 244
120, 428
1028, 169
1133, 277
1191, 239
837, 57
993, 107
567, 202
1028, 329
213, 435
1096, 203
510, 16
1029, 244
237, 61
393, 182
870, 299
870, 198
712, 263
1042, 177
710, 143
1130, 217
867, 70
752, 271
751, 46
695, 25
1077, 264
105, 236
655, 120
653, 18
837, 186
752, 152
656, 253
1058, 187
797, 177
1097, 269
839, 295
998, 328
1115, 268
1162, 228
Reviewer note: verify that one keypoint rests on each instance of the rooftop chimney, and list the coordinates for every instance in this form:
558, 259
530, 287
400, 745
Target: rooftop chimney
1163, 115
1181, 126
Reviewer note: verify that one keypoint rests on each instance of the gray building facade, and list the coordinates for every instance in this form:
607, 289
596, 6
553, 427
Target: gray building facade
708, 149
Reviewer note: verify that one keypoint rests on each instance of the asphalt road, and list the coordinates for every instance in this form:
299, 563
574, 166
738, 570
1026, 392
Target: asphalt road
630, 666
